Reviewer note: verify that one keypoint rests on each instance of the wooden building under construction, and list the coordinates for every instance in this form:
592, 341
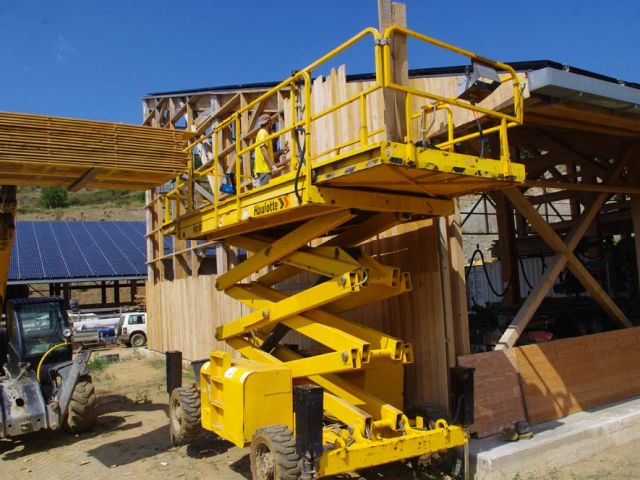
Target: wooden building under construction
579, 144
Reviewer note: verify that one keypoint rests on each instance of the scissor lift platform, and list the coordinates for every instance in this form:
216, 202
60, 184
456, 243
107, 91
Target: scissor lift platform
384, 177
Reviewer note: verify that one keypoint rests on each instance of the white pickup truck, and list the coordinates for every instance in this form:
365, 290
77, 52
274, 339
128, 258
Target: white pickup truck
134, 329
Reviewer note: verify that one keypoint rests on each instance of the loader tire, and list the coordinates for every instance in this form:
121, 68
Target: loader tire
82, 413
431, 413
184, 415
273, 454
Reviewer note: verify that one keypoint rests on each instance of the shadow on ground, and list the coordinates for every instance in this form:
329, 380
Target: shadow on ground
130, 450
114, 413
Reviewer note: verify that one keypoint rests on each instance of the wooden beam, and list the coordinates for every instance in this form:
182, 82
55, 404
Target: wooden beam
558, 151
597, 292
203, 191
389, 14
549, 197
151, 224
584, 187
204, 122
384, 14
400, 68
634, 173
590, 118
458, 286
542, 120
447, 295
87, 177
555, 266
507, 250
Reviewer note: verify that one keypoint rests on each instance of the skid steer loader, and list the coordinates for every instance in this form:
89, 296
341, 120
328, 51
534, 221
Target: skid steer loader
41, 385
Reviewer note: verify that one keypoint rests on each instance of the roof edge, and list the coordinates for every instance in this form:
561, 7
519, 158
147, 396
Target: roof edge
420, 72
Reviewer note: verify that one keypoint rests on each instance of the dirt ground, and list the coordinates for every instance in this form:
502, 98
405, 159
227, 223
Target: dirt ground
131, 441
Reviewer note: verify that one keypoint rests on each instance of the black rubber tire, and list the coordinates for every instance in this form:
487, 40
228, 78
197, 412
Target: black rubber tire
273, 454
82, 413
431, 413
138, 340
184, 415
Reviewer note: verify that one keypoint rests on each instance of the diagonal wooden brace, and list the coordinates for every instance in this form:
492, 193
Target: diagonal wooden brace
564, 257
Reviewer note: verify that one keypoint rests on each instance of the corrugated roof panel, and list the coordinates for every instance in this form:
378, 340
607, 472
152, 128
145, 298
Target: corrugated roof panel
78, 250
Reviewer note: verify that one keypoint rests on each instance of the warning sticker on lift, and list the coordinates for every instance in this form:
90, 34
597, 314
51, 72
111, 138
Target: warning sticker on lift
271, 206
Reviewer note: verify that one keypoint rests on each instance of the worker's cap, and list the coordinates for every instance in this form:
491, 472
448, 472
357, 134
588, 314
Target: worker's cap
263, 119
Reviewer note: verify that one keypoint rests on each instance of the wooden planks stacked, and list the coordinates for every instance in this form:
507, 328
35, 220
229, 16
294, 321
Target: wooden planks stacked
498, 397
54, 151
554, 379
568, 376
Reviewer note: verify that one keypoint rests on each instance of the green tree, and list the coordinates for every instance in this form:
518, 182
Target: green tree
53, 197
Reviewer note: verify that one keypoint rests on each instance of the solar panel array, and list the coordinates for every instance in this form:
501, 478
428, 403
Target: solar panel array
78, 250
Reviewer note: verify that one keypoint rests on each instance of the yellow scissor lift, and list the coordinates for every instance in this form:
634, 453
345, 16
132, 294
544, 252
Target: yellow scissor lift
333, 203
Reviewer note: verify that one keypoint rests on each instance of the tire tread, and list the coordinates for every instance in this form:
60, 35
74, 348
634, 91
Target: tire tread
282, 443
82, 413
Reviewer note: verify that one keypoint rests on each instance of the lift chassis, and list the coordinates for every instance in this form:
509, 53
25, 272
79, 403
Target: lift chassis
336, 407
360, 377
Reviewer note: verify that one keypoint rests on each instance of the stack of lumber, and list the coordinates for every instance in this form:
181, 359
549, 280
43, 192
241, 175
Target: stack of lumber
54, 151
548, 381
568, 376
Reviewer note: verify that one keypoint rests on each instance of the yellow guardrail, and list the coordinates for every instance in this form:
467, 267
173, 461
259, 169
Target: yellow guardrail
506, 120
234, 152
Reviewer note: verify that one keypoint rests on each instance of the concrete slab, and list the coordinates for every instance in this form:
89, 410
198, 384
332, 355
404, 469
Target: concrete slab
557, 443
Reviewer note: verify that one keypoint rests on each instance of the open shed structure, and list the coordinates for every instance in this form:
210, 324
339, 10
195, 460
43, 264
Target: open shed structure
578, 142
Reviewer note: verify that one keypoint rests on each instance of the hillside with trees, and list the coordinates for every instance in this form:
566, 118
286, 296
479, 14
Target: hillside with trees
52, 203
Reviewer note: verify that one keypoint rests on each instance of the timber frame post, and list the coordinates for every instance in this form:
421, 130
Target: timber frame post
392, 13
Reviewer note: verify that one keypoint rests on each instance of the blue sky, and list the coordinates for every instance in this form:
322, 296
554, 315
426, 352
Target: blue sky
96, 59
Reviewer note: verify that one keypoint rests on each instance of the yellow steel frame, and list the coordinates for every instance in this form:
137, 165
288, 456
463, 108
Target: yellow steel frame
343, 199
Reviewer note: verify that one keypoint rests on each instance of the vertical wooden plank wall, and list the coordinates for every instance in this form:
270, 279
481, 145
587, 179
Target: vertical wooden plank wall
184, 313
418, 316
